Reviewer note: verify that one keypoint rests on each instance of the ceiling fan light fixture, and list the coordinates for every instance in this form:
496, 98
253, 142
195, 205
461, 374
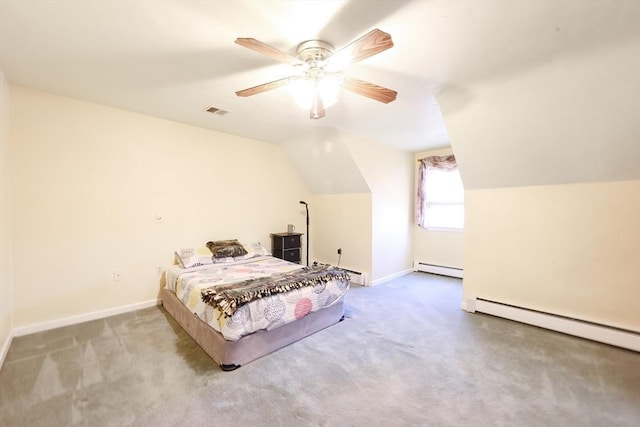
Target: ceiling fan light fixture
302, 91
315, 84
329, 89
317, 108
305, 90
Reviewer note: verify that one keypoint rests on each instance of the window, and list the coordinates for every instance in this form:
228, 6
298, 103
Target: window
440, 194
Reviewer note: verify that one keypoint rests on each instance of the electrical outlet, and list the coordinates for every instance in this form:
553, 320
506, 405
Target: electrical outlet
116, 276
159, 270
339, 251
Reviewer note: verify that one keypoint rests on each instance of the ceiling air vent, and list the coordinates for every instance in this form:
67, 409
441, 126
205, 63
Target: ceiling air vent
218, 111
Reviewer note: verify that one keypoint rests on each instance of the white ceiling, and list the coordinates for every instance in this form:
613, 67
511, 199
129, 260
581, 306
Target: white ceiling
173, 59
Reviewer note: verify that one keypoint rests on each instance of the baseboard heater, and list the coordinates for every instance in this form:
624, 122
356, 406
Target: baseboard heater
357, 277
437, 269
580, 328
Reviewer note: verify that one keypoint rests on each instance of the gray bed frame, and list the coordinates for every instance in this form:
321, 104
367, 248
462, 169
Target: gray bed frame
231, 355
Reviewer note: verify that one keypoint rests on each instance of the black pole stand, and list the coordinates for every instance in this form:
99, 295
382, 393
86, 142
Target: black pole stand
307, 208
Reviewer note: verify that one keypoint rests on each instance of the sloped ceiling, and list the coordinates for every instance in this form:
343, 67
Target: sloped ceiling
573, 119
173, 59
501, 75
325, 163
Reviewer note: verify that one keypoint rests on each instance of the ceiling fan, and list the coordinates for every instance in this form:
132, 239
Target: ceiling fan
317, 79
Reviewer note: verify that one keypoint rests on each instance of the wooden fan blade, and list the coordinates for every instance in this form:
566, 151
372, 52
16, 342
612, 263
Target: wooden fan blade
267, 50
374, 42
264, 87
369, 90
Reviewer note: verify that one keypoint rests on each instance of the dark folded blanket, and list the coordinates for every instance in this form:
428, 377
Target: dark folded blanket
229, 298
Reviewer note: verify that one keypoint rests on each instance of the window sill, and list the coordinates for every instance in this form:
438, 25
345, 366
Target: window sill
454, 230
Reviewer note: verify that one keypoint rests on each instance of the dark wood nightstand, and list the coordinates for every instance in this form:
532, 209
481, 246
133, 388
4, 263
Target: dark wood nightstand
286, 246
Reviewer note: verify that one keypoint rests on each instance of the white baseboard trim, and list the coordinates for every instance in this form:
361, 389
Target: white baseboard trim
5, 348
45, 326
592, 331
469, 303
438, 269
391, 277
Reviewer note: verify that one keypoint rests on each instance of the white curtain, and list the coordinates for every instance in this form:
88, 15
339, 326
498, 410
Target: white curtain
442, 163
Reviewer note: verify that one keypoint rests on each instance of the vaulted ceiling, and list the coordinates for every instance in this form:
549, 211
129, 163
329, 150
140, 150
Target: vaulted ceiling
458, 66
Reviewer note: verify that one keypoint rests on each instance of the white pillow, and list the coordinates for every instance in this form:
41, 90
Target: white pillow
255, 249
191, 257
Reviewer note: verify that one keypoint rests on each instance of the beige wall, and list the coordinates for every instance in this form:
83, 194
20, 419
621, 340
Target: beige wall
568, 249
389, 174
549, 157
443, 248
6, 278
88, 181
363, 201
342, 221
340, 209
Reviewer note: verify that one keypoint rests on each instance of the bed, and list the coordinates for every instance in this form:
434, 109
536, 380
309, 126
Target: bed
243, 306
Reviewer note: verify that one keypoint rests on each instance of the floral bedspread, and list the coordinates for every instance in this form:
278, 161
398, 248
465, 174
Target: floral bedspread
265, 313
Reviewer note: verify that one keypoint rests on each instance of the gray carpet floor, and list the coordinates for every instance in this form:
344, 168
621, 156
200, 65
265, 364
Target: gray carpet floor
406, 355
